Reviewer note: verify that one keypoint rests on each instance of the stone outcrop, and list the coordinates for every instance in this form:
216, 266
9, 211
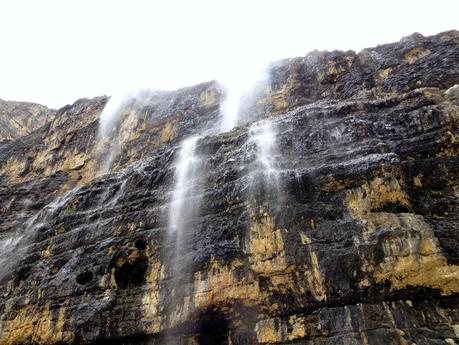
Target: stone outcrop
18, 119
357, 244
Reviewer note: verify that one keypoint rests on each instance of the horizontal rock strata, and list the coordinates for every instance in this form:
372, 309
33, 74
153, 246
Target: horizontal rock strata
356, 244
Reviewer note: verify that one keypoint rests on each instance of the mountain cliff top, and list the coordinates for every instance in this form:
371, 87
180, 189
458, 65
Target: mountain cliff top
18, 119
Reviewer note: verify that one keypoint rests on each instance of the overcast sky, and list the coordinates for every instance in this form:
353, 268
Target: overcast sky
54, 52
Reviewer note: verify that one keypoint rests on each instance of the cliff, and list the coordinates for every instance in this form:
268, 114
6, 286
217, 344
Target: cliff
18, 119
342, 230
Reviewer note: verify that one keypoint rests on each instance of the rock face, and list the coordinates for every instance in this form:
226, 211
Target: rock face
18, 119
355, 241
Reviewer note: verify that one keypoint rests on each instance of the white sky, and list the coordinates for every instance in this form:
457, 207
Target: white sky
54, 52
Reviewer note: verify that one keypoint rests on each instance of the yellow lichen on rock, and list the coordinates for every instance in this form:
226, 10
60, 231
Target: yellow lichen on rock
334, 70
153, 312
414, 259
276, 330
266, 331
417, 180
384, 73
333, 185
209, 97
277, 98
47, 252
14, 168
313, 274
266, 244
415, 54
222, 283
31, 324
374, 195
169, 132
268, 258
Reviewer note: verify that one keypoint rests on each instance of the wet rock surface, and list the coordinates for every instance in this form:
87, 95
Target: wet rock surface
354, 240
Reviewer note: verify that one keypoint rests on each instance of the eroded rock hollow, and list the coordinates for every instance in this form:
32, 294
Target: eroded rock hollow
330, 215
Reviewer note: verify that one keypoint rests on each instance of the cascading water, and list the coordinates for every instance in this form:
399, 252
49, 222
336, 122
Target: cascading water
239, 87
108, 119
263, 136
186, 197
187, 163
186, 166
14, 247
183, 207
110, 138
230, 108
185, 200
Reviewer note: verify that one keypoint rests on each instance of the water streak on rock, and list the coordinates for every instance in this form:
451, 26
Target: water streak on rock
184, 201
108, 119
263, 136
15, 245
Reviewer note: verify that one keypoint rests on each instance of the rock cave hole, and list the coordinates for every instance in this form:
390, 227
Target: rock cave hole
131, 274
84, 278
212, 328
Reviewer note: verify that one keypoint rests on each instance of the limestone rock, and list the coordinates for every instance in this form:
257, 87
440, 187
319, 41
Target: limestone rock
18, 119
357, 244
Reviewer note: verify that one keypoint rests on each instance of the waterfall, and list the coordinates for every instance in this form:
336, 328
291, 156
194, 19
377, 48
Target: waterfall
230, 108
263, 136
109, 117
111, 134
183, 207
108, 122
240, 87
185, 195
185, 201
